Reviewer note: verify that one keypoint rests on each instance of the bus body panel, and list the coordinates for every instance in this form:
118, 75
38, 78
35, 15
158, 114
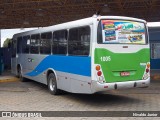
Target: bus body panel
36, 66
114, 63
79, 66
14, 66
28, 63
73, 77
97, 86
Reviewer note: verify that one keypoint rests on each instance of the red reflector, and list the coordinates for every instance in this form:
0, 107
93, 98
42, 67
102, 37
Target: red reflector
147, 70
125, 46
105, 86
99, 73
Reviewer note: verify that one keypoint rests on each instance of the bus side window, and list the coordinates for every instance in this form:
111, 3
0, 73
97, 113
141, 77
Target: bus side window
19, 45
26, 44
59, 45
45, 43
34, 47
79, 41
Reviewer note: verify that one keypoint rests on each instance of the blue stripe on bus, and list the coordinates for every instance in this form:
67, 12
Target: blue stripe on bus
70, 64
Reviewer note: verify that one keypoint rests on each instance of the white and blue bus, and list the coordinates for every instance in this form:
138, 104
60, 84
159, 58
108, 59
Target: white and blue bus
94, 54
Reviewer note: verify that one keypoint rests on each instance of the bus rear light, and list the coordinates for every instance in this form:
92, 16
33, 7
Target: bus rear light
146, 74
147, 70
98, 67
148, 65
99, 73
105, 86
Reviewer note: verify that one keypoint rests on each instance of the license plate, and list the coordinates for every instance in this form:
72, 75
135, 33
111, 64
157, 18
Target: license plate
125, 73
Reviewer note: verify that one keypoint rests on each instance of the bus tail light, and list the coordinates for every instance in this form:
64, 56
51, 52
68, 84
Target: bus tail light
147, 70
99, 73
148, 65
98, 67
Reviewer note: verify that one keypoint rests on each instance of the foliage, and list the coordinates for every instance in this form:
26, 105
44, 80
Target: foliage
7, 42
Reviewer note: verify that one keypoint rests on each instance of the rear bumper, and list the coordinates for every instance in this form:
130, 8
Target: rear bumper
97, 87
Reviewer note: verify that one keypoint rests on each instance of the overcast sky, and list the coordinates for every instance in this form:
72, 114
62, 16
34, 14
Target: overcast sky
153, 24
8, 33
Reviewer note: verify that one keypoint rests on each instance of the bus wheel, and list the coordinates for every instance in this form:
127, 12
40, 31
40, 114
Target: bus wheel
52, 84
22, 79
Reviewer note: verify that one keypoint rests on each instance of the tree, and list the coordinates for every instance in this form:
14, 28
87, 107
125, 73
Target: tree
7, 42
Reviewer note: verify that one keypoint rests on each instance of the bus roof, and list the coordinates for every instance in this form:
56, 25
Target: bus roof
76, 23
122, 18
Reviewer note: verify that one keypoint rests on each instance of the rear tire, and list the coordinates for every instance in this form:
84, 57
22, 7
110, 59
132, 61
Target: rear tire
52, 84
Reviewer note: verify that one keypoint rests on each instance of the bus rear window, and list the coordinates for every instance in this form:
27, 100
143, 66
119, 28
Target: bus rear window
121, 32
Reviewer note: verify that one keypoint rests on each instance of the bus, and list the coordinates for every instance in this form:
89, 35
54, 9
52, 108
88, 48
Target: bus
90, 55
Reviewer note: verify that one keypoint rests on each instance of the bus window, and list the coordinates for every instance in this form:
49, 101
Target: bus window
121, 32
45, 43
19, 45
34, 47
79, 41
59, 45
99, 33
26, 44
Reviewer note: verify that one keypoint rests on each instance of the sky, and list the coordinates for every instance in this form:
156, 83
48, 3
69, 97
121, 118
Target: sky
153, 24
8, 33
